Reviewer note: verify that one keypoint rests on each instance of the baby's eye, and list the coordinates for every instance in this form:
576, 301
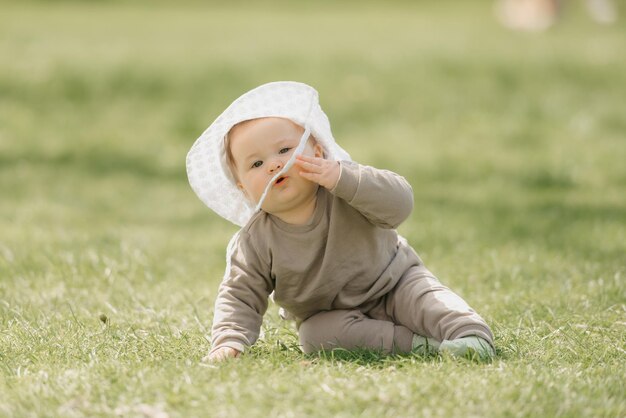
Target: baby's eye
284, 150
257, 164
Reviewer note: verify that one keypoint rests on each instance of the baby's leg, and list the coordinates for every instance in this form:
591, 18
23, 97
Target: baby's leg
350, 329
421, 303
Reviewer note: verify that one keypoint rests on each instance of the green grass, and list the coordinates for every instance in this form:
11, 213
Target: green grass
514, 144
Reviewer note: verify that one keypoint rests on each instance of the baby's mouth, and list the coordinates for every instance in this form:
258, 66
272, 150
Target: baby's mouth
280, 180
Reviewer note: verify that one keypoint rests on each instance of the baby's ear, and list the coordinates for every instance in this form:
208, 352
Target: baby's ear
318, 151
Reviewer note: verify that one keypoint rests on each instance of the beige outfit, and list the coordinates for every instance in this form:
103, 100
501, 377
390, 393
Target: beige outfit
347, 276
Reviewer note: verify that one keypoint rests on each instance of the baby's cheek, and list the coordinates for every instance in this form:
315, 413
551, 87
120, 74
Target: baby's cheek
249, 190
259, 188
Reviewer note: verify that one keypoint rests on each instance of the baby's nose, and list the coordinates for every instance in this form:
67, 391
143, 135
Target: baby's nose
275, 165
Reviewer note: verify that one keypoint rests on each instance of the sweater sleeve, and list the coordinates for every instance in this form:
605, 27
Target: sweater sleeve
242, 297
383, 197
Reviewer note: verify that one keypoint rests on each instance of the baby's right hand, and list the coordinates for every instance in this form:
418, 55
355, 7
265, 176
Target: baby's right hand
221, 354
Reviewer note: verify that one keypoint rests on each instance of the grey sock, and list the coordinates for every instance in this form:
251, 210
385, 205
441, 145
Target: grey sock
423, 345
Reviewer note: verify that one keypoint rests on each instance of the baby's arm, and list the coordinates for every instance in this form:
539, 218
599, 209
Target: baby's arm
383, 197
241, 301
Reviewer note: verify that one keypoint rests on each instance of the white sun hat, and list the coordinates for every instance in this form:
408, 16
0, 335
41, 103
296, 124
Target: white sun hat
207, 167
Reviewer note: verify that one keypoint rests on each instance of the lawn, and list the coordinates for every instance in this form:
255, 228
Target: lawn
515, 145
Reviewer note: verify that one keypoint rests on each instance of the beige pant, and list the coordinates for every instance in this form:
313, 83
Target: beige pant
417, 304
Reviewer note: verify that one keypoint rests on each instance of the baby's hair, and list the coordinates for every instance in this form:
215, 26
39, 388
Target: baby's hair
230, 160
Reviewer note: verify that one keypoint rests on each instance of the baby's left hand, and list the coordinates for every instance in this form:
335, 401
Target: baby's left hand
318, 170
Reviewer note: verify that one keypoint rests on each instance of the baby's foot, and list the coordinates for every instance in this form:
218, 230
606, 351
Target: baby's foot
424, 346
468, 346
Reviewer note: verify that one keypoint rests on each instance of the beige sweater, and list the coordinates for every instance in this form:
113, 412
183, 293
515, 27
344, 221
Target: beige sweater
348, 254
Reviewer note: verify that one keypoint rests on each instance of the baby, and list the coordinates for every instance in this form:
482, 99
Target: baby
318, 231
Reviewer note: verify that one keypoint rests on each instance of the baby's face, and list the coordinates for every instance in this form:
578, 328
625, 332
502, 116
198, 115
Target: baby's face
260, 149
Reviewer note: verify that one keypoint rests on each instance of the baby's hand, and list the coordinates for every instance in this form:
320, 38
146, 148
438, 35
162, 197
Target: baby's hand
221, 354
318, 170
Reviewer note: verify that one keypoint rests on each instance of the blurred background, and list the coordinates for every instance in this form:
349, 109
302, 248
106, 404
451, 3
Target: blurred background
510, 134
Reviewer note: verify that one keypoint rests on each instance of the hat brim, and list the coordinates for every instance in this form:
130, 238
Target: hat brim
207, 167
